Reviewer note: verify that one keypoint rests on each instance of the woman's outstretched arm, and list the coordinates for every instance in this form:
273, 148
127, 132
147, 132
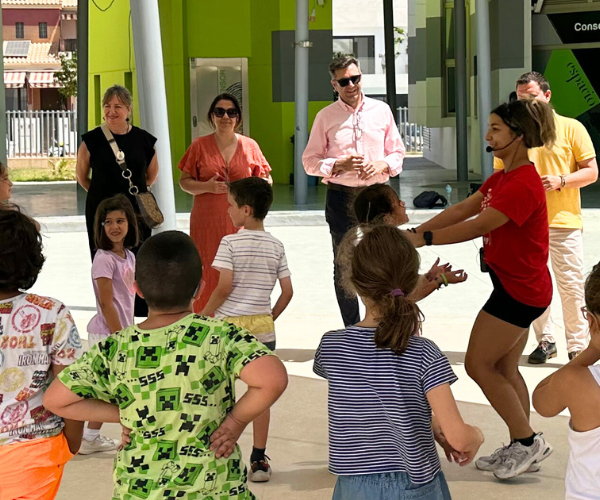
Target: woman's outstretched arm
486, 221
454, 214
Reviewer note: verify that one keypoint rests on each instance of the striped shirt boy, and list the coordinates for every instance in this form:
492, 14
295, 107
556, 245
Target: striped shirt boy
257, 260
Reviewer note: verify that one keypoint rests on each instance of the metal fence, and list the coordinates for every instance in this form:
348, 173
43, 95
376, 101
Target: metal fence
41, 134
413, 135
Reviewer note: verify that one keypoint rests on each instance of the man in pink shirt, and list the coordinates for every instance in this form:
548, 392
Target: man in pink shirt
354, 142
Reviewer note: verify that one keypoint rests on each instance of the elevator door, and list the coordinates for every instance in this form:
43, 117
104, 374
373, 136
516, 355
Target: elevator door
211, 77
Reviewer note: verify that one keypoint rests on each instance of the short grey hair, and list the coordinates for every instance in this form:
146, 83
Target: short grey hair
342, 62
121, 93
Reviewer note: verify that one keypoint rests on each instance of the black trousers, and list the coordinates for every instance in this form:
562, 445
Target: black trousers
337, 207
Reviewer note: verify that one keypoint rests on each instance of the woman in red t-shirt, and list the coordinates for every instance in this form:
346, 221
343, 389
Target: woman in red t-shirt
510, 210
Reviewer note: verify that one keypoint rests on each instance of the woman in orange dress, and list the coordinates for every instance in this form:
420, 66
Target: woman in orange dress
207, 166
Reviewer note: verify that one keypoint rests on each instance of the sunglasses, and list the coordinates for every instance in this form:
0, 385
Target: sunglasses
344, 82
220, 112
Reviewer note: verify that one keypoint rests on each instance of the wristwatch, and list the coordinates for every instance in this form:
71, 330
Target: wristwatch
428, 237
563, 181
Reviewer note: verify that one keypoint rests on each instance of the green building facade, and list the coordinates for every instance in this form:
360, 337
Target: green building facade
558, 38
259, 31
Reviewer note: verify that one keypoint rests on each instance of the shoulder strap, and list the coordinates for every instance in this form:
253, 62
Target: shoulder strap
113, 145
120, 157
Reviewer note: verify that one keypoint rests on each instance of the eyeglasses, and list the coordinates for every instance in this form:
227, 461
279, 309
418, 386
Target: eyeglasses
220, 112
344, 82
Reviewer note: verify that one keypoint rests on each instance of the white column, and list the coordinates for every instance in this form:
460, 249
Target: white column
3, 157
484, 82
152, 98
301, 101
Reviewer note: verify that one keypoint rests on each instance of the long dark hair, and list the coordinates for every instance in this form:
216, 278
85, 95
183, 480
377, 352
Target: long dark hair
383, 268
118, 202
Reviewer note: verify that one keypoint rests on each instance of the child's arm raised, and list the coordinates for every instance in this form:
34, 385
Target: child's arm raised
106, 300
219, 296
424, 288
465, 439
266, 378
552, 394
287, 292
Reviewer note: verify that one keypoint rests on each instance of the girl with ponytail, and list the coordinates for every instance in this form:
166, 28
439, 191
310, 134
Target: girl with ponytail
385, 381
509, 211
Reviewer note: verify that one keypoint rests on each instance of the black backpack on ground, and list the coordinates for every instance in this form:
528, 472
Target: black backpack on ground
430, 199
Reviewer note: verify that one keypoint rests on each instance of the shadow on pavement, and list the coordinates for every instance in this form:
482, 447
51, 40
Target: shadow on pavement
458, 358
296, 355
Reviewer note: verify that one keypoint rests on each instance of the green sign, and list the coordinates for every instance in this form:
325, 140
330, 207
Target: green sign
572, 92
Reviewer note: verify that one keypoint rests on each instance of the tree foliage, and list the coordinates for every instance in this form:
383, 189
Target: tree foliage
67, 76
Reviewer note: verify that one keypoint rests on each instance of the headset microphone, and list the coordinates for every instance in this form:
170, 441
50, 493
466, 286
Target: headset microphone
490, 149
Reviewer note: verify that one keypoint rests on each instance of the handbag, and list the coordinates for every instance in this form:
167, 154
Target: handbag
146, 202
430, 199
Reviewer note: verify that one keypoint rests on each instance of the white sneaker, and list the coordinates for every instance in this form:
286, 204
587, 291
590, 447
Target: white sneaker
522, 457
495, 460
101, 443
491, 462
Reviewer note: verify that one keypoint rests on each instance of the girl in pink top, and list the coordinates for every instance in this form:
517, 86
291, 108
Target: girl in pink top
113, 273
207, 166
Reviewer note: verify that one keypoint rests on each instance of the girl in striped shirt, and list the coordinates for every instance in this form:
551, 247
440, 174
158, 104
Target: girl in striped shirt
384, 382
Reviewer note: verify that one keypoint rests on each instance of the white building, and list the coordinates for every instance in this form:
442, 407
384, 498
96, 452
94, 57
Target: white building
358, 30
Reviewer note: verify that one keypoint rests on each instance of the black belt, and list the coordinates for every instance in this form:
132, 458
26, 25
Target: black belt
343, 189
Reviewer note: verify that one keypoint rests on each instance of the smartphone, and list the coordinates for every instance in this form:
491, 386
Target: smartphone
484, 267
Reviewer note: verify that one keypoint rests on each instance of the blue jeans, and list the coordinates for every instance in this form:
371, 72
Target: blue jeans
390, 486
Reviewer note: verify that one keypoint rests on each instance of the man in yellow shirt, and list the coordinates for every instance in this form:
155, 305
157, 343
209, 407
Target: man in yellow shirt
564, 169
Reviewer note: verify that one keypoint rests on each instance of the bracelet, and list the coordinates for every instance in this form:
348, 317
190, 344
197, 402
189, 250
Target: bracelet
445, 279
563, 181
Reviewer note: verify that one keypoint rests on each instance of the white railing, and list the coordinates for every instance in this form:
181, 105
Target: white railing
41, 133
412, 134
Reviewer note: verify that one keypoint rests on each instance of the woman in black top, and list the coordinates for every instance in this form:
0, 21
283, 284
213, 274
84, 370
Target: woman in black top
96, 156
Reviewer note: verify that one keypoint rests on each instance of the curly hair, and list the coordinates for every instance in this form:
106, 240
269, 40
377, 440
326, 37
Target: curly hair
383, 261
20, 250
373, 203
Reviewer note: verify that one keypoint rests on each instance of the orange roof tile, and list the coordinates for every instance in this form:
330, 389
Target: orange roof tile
33, 3
39, 53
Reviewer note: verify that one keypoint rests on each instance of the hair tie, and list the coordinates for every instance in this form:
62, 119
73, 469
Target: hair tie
397, 292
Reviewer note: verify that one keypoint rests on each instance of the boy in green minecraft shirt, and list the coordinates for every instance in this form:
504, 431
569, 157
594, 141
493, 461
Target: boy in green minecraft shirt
171, 380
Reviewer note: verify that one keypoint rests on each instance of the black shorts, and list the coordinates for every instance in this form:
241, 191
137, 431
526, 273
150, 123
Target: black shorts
502, 306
